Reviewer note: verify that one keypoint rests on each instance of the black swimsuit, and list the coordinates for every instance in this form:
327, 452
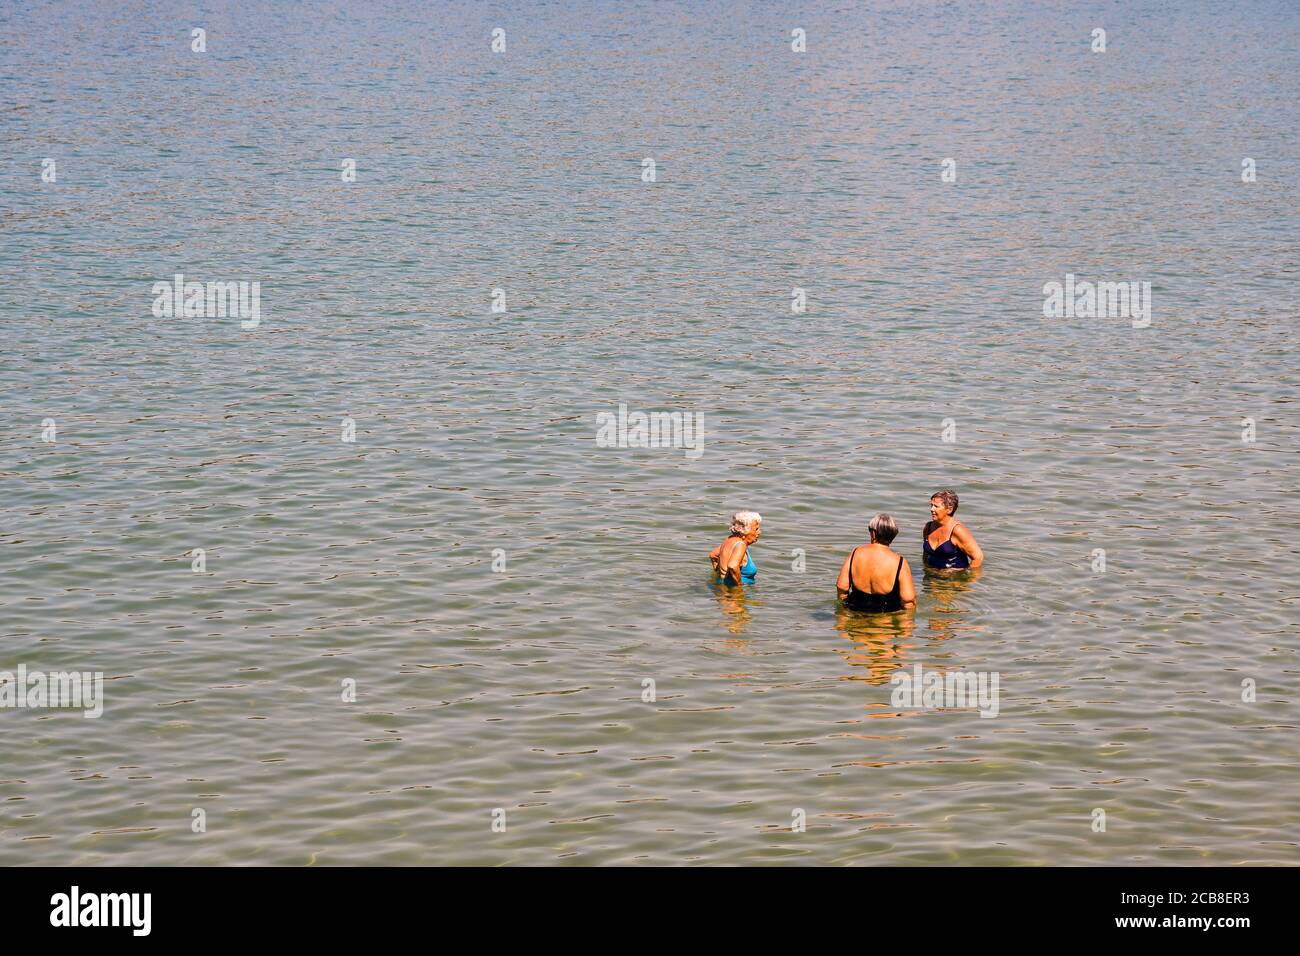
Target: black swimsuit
951, 559
874, 603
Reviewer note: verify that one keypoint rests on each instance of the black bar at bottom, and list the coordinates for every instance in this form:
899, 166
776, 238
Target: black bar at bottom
370, 905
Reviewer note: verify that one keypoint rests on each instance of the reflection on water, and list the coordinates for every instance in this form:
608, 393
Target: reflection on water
948, 595
878, 641
735, 602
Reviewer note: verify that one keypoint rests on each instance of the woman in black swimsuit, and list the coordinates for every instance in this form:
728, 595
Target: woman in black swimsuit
874, 578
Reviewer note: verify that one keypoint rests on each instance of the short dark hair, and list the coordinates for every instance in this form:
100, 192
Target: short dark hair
949, 499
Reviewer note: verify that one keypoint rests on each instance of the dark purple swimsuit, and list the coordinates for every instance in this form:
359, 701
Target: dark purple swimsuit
946, 557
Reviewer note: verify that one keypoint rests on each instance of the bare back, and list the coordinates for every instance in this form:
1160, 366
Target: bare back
730, 556
874, 569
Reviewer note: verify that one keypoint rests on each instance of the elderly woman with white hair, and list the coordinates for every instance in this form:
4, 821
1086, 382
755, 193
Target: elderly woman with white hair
731, 561
875, 578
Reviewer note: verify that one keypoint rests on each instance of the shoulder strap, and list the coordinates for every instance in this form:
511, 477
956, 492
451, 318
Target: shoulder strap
898, 571
851, 554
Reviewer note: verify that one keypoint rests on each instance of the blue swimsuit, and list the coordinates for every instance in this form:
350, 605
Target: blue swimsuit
747, 571
946, 557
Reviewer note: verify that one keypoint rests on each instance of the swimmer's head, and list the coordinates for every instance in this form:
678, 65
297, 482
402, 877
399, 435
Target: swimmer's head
745, 524
883, 528
942, 504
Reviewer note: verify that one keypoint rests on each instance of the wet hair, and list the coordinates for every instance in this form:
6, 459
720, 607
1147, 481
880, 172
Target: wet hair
883, 528
742, 522
949, 499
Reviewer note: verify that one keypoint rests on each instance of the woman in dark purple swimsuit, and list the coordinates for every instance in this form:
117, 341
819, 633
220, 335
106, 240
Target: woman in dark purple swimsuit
948, 545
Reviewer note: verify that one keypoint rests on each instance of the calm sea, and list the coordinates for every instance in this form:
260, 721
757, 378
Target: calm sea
496, 589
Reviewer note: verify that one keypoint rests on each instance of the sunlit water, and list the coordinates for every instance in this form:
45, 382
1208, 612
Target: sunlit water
326, 561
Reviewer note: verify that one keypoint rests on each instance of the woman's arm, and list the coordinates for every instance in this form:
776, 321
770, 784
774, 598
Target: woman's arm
906, 589
966, 541
713, 559
842, 582
735, 562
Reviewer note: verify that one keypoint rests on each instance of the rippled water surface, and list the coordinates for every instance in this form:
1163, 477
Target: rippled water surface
521, 689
